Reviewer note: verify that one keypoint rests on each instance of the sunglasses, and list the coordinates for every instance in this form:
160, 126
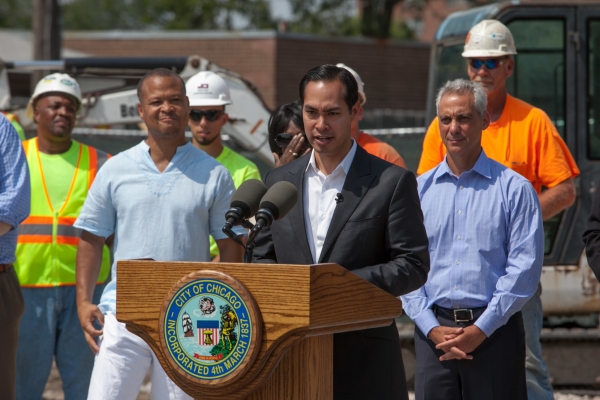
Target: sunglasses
210, 115
489, 64
283, 139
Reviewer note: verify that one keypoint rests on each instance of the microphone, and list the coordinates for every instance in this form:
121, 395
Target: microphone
244, 204
339, 198
276, 203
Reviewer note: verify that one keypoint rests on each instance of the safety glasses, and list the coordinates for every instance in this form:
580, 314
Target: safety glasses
492, 63
283, 139
210, 115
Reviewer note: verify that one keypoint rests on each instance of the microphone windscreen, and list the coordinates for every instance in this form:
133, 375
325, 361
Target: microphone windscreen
280, 199
247, 197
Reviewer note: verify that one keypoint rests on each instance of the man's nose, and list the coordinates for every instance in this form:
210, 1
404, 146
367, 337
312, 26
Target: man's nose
454, 126
483, 70
321, 124
167, 107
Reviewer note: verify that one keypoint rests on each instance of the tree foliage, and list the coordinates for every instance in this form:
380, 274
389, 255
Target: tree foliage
325, 17
167, 14
377, 17
16, 14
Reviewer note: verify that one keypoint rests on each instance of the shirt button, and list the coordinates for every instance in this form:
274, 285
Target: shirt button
322, 216
320, 243
460, 211
459, 237
455, 287
461, 188
458, 262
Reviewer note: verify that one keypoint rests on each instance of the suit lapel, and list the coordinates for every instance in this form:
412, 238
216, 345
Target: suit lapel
296, 177
357, 184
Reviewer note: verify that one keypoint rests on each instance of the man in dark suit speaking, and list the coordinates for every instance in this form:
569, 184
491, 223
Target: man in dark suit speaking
355, 210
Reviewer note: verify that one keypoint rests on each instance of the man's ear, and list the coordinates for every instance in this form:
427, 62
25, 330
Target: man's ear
510, 66
486, 120
140, 110
356, 111
361, 112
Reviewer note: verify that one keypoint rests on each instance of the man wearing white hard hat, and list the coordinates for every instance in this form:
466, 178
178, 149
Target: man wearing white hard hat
370, 143
61, 172
522, 138
209, 94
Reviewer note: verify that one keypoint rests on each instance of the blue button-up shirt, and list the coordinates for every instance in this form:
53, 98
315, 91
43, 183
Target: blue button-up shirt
486, 243
15, 190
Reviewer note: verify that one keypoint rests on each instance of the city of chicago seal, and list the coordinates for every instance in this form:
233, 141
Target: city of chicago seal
210, 327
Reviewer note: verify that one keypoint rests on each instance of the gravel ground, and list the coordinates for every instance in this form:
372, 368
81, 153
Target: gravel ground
54, 392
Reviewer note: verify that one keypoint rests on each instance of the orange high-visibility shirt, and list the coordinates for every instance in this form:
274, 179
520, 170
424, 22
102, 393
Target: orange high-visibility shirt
523, 139
380, 149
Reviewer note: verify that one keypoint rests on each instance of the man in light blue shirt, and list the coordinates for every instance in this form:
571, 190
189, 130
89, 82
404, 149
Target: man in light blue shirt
486, 246
15, 193
161, 199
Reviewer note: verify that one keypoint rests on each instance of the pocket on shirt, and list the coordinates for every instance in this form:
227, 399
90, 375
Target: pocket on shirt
520, 167
364, 223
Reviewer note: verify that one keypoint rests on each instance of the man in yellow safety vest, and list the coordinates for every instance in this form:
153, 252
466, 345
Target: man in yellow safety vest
208, 94
61, 172
14, 121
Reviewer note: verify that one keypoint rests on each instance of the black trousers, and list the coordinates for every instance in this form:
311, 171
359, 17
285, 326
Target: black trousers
11, 310
496, 372
367, 365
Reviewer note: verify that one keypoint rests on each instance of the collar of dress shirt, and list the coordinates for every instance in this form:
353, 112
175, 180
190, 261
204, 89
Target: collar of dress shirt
179, 149
482, 167
344, 165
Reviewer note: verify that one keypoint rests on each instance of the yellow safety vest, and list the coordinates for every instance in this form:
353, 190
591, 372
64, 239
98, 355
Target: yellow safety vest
47, 242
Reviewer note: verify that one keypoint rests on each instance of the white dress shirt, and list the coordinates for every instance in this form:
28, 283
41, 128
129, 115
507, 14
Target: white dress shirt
320, 193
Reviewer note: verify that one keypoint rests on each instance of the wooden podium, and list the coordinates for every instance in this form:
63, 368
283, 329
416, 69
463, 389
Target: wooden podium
301, 308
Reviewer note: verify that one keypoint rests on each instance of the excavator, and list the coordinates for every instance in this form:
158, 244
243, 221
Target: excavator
111, 112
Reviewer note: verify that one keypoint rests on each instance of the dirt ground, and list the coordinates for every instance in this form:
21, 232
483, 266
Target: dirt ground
54, 391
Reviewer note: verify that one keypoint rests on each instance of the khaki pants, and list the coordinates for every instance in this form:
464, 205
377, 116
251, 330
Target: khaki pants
11, 310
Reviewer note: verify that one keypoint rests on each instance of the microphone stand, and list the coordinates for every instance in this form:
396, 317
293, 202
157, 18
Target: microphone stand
249, 248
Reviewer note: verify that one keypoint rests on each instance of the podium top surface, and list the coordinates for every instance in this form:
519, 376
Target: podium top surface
320, 299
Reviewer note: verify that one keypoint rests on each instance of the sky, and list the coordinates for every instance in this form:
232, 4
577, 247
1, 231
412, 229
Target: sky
280, 9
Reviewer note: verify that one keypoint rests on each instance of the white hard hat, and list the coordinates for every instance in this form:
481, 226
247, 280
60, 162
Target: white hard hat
207, 89
361, 86
489, 38
58, 83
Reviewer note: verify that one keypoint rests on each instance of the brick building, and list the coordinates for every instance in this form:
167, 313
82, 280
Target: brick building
395, 73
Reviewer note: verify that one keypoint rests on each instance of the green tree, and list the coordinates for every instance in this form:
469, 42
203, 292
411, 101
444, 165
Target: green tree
166, 14
323, 17
377, 17
16, 14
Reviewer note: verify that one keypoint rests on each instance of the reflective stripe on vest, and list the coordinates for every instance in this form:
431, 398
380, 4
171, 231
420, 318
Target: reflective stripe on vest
47, 242
10, 117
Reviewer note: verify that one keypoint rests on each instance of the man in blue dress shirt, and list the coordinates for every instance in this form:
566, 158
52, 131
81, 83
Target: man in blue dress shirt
14, 208
486, 245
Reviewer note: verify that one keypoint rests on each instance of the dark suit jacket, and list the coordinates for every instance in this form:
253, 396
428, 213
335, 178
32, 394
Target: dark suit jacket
591, 236
377, 232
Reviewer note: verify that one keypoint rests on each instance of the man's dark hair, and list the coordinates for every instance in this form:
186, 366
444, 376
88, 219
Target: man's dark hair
162, 72
330, 73
280, 119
